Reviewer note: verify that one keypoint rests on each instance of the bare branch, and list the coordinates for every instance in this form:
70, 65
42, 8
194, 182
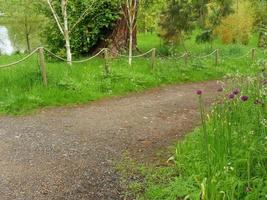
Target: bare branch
55, 17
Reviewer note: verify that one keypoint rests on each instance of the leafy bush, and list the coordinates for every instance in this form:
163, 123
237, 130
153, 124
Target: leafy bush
92, 29
205, 36
237, 27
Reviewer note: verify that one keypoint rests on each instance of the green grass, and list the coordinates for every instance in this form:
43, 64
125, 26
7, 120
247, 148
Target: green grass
224, 159
22, 90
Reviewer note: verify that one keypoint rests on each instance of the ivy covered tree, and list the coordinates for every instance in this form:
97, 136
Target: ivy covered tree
89, 23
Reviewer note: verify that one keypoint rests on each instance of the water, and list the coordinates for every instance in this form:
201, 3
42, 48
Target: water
5, 43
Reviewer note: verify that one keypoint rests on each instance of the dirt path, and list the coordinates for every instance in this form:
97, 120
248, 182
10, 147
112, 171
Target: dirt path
67, 153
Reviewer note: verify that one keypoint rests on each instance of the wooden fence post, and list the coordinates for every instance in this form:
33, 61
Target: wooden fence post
106, 64
43, 67
153, 58
217, 57
253, 54
186, 59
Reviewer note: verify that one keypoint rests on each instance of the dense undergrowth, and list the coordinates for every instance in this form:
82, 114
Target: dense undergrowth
224, 159
22, 90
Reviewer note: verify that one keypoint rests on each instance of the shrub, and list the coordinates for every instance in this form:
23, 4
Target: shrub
238, 26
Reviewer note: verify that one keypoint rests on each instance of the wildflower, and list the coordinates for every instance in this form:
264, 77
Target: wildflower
244, 98
220, 89
231, 96
236, 91
199, 92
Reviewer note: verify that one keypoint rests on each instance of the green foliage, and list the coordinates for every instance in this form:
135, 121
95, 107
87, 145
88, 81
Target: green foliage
237, 27
23, 21
218, 10
176, 21
181, 17
205, 36
149, 14
201, 9
260, 7
97, 23
22, 89
225, 159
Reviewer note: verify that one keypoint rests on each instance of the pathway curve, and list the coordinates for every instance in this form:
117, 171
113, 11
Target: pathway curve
67, 153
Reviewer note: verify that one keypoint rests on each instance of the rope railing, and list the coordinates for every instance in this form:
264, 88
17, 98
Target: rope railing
264, 51
239, 57
74, 61
182, 56
21, 60
186, 56
205, 56
137, 56
176, 57
121, 55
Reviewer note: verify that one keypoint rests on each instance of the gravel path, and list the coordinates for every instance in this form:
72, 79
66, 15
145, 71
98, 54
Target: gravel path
68, 153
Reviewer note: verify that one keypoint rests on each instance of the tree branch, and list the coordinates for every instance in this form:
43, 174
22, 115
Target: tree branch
55, 17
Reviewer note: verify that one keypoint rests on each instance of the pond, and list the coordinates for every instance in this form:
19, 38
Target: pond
5, 43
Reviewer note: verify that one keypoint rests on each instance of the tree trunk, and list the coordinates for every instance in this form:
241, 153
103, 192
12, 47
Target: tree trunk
130, 46
28, 43
118, 39
66, 31
68, 49
27, 34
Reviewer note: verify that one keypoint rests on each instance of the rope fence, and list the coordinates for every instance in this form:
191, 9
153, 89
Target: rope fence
20, 61
206, 56
186, 56
137, 56
74, 61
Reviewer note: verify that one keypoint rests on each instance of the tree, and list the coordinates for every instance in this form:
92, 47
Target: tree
176, 21
201, 7
64, 27
218, 10
237, 27
260, 7
129, 8
149, 14
92, 29
23, 20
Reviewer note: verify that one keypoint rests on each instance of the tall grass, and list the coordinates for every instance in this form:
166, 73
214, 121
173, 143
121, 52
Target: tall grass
226, 158
22, 91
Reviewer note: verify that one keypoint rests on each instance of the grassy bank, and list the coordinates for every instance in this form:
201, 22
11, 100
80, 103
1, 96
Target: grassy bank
224, 159
22, 90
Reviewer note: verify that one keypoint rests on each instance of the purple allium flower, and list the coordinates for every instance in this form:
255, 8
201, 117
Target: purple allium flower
199, 92
244, 98
236, 91
220, 89
231, 96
